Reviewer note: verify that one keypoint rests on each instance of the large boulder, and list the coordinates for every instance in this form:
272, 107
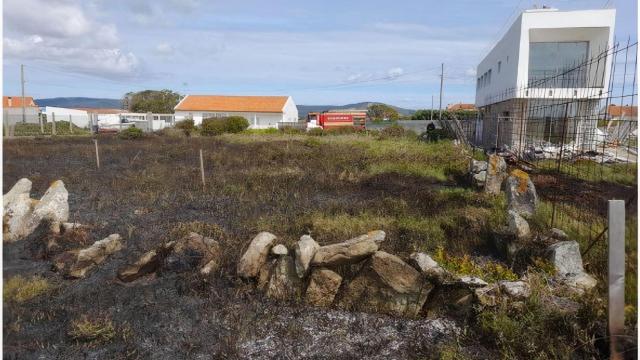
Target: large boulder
521, 193
518, 226
567, 261
389, 285
256, 255
304, 251
193, 251
284, 283
350, 251
53, 206
496, 173
323, 287
18, 212
77, 263
22, 186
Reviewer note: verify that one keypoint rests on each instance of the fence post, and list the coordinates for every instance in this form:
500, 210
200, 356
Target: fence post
616, 221
95, 141
53, 124
5, 122
202, 169
70, 124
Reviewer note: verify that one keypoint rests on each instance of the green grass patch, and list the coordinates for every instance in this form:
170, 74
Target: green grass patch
625, 173
62, 129
19, 289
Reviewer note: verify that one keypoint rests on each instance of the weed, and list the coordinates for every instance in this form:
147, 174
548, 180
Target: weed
19, 289
86, 329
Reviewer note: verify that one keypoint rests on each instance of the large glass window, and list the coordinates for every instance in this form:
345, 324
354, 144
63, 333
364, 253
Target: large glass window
555, 64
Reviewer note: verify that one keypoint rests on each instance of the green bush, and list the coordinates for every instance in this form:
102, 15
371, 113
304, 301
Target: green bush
236, 124
315, 132
291, 130
341, 130
187, 126
131, 133
392, 132
436, 135
218, 126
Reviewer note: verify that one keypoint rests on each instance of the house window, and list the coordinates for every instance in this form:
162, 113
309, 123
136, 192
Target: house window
489, 77
554, 64
499, 66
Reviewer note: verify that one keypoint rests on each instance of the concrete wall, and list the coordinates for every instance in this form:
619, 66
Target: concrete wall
545, 25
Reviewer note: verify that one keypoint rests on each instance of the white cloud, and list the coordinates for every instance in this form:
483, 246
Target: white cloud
471, 72
395, 72
164, 48
56, 18
67, 38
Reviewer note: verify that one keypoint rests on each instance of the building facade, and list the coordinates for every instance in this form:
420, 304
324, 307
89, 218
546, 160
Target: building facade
261, 111
549, 66
12, 110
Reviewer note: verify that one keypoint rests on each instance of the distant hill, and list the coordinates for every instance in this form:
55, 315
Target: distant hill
81, 102
303, 110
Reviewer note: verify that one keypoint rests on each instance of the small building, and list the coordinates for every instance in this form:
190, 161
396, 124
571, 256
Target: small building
461, 107
626, 112
261, 111
12, 109
546, 58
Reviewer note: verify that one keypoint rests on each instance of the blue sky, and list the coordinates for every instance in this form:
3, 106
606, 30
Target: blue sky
319, 52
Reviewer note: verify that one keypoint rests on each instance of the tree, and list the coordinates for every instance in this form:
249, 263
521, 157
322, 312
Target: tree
155, 101
378, 112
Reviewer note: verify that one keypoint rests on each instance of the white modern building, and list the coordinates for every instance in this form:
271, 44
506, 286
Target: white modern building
261, 111
545, 57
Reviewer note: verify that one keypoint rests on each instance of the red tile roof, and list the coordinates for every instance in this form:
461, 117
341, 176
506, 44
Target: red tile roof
16, 102
620, 111
461, 106
273, 104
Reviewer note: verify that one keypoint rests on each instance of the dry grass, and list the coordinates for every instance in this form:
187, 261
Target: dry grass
87, 329
18, 289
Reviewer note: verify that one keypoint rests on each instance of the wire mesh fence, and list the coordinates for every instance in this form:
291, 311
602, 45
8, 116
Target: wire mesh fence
576, 129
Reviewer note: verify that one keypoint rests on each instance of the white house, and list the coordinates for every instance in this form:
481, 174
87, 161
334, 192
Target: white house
546, 56
261, 111
12, 109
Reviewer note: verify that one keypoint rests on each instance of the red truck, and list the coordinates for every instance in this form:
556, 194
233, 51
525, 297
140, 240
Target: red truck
331, 119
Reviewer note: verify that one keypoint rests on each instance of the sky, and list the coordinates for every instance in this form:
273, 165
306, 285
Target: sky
318, 52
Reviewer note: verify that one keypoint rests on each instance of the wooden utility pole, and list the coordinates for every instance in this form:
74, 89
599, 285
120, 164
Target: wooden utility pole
24, 114
441, 82
53, 124
70, 124
95, 141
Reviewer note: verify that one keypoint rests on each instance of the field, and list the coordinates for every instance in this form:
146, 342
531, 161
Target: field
332, 187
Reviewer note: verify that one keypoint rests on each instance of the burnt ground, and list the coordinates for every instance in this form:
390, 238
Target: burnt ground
586, 195
146, 189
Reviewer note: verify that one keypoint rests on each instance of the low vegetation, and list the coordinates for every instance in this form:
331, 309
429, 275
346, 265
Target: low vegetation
131, 133
63, 128
228, 125
328, 184
18, 289
87, 329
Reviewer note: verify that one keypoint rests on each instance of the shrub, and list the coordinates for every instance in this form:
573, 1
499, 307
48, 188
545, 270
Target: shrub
219, 126
291, 130
315, 132
341, 130
436, 135
266, 131
391, 132
187, 126
131, 133
236, 124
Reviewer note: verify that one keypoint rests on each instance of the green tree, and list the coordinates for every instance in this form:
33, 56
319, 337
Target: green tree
378, 112
155, 101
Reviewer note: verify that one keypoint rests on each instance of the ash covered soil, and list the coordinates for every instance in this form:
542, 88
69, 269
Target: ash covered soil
146, 189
